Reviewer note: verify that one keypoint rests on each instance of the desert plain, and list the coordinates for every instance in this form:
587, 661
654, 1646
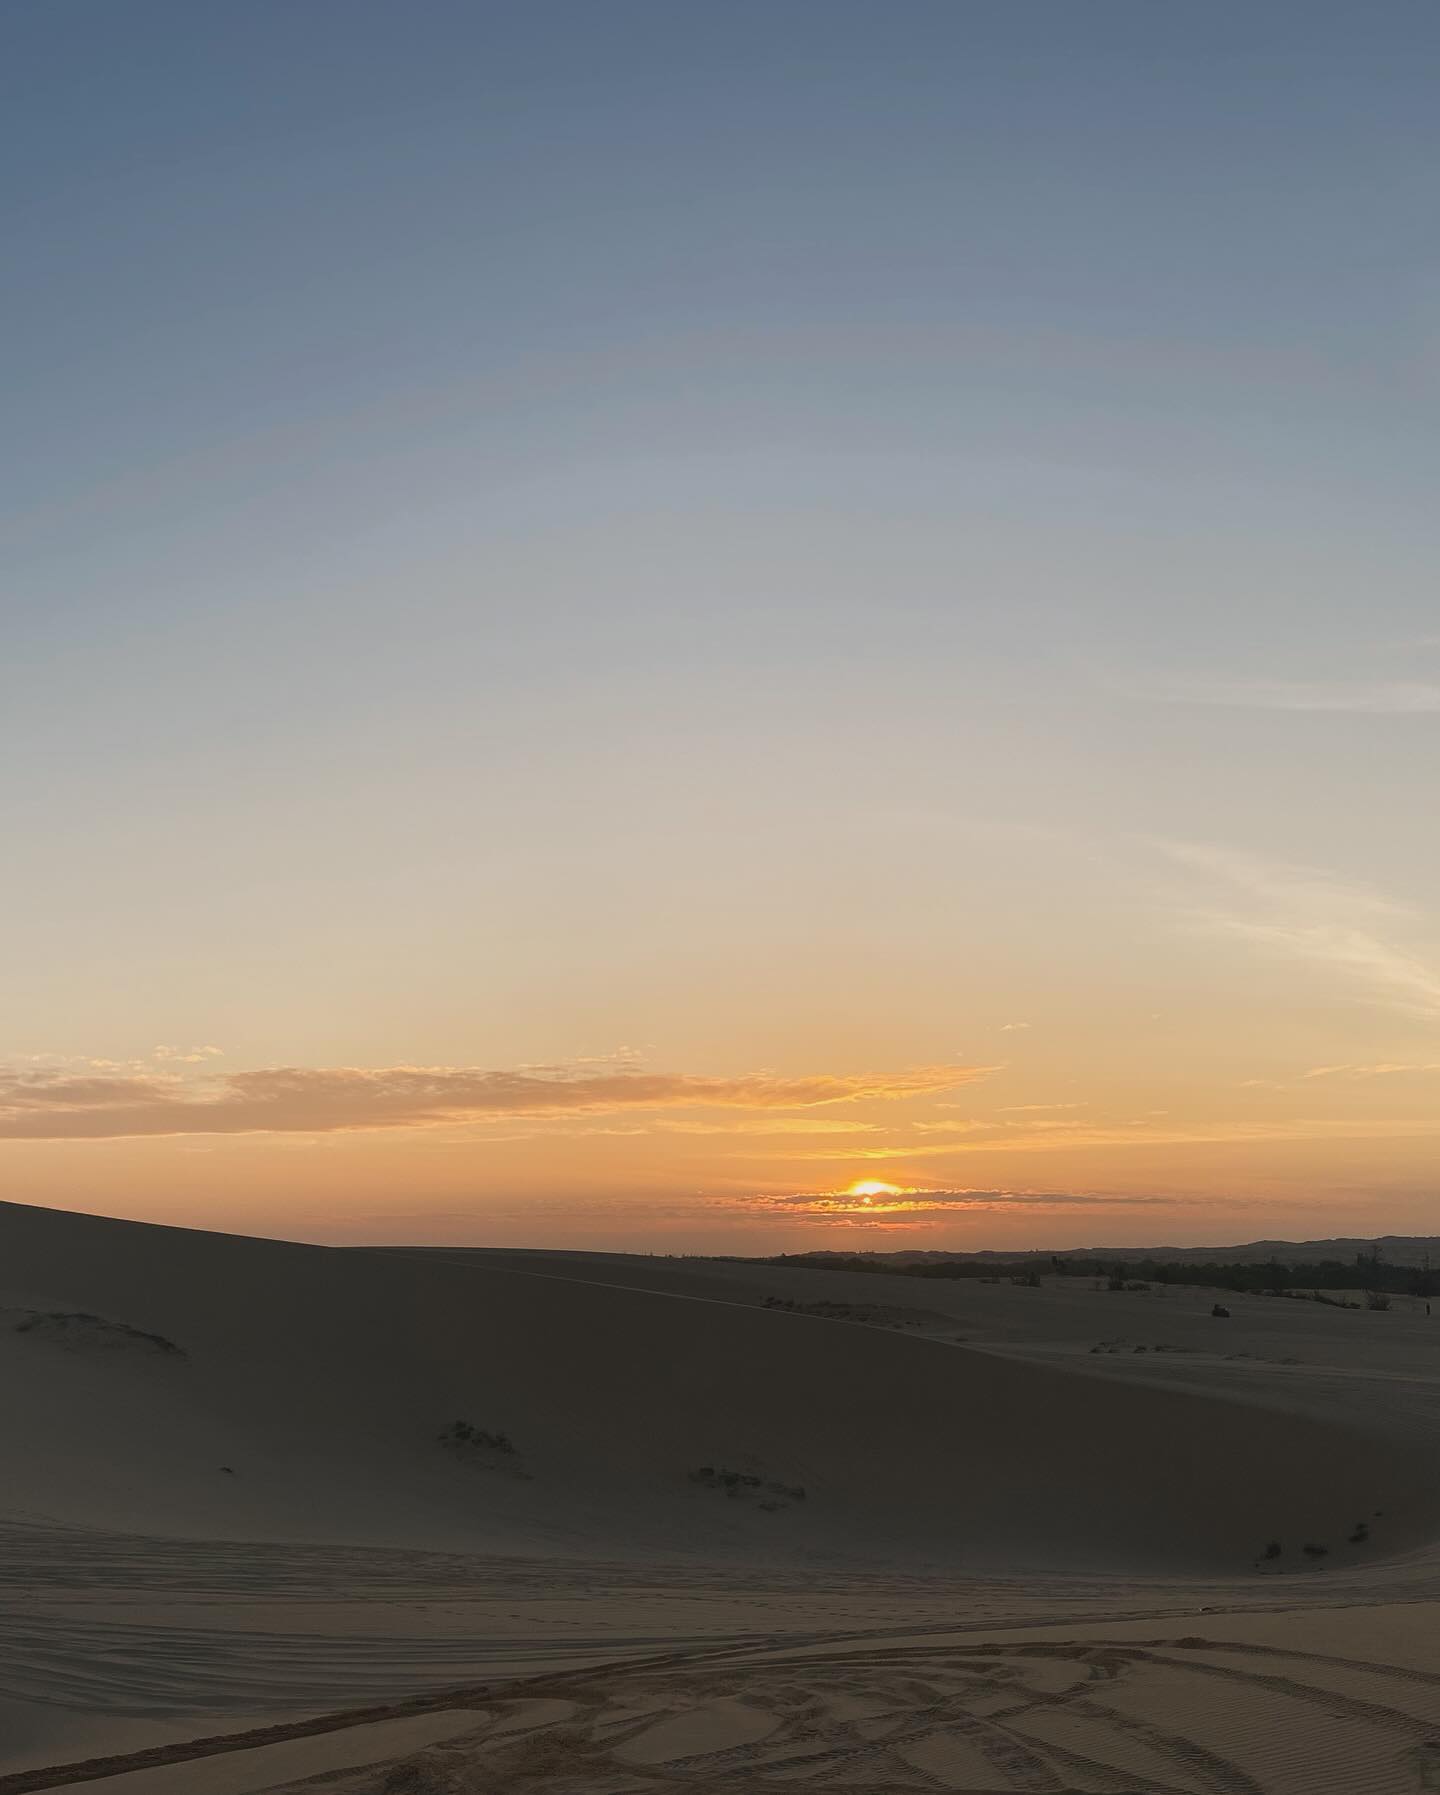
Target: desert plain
429, 1522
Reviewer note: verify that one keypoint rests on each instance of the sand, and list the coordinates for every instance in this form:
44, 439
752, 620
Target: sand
951, 1546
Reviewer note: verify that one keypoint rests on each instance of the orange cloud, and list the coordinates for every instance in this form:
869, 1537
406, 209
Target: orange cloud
41, 1104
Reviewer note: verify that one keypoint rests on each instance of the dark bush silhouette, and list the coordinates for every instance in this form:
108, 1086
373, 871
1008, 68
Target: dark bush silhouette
1273, 1550
1376, 1299
1360, 1535
715, 1477
1220, 1311
1315, 1551
461, 1433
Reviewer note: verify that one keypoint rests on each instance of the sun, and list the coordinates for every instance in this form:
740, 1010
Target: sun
866, 1188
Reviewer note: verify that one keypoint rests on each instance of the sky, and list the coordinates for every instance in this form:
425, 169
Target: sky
618, 619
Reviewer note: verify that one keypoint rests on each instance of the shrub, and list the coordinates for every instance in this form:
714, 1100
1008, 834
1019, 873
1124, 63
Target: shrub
1273, 1550
1360, 1535
1376, 1299
1220, 1311
1315, 1551
461, 1433
729, 1481
716, 1477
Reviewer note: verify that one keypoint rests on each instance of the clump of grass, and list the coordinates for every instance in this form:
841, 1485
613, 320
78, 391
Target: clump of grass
734, 1483
462, 1433
1273, 1550
826, 1310
1313, 1550
1360, 1535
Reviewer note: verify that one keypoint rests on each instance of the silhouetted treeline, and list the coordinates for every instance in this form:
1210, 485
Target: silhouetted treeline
1367, 1271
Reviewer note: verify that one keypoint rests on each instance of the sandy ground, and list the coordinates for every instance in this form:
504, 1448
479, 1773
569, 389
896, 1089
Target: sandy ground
1017, 1562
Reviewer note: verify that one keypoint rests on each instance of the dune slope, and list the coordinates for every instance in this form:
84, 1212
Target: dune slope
163, 1380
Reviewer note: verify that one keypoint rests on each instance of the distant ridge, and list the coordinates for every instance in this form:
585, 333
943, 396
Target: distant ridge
1393, 1249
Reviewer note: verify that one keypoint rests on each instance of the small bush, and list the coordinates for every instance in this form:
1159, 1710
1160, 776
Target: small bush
715, 1477
1273, 1550
461, 1433
1377, 1299
1220, 1311
1360, 1535
729, 1481
1315, 1551
1029, 1280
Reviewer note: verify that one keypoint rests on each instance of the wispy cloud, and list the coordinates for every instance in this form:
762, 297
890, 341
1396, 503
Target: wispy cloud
902, 1208
1023, 1109
1308, 915
1379, 1069
1378, 698
763, 1124
39, 1103
1144, 1131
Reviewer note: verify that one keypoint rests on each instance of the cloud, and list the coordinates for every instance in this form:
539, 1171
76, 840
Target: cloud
1157, 1131
44, 1104
946, 1199
1020, 1109
1376, 698
1012, 1028
1380, 1069
1308, 915
805, 1124
907, 1207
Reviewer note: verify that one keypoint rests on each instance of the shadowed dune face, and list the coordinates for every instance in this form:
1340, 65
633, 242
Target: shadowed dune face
310, 1386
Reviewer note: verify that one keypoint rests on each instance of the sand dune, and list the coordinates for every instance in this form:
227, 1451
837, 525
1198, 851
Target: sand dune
300, 1393
226, 1495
